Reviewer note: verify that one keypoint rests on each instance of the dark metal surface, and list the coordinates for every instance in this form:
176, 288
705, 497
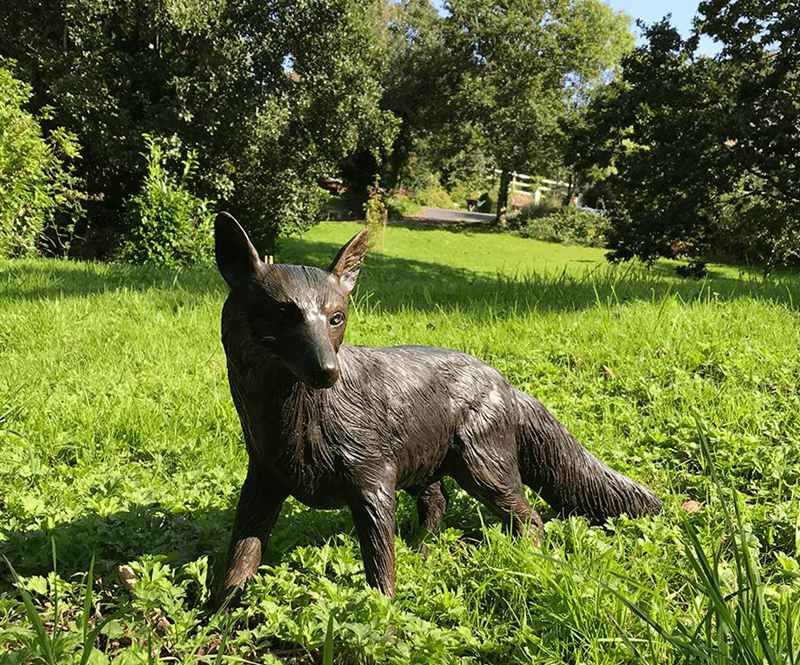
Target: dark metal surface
337, 425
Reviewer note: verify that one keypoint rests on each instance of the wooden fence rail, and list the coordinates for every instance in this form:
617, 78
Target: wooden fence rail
533, 186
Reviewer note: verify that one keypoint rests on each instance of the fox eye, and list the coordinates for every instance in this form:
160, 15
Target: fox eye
289, 312
337, 319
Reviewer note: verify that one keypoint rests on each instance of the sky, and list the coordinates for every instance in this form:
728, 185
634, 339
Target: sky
683, 11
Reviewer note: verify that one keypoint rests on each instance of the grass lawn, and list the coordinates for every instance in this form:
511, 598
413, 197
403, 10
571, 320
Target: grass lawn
119, 444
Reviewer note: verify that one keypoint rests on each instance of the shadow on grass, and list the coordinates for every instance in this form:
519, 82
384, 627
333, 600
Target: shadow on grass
397, 284
152, 529
393, 284
183, 536
447, 225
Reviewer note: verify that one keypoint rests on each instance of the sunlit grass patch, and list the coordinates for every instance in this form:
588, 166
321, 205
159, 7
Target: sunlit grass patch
119, 442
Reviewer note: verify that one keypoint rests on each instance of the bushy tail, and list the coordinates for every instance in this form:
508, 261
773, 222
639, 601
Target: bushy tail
569, 477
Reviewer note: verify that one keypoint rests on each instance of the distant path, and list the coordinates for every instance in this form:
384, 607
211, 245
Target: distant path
447, 216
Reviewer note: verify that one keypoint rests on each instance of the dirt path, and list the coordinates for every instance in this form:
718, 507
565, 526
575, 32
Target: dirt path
447, 216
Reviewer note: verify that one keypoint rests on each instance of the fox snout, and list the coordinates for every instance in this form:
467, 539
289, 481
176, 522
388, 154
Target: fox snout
325, 376
317, 364
317, 377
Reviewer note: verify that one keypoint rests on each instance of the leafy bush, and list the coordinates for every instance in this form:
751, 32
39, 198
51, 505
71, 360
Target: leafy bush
461, 192
167, 224
424, 185
36, 177
285, 203
401, 205
748, 229
376, 215
567, 224
533, 211
434, 195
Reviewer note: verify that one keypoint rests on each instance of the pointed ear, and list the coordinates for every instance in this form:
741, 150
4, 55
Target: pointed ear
348, 261
237, 259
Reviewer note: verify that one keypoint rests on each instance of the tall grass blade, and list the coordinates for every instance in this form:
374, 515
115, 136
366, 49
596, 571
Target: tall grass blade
87, 599
42, 638
327, 650
223, 643
88, 636
55, 586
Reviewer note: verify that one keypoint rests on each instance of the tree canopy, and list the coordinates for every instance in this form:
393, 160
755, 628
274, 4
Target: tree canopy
270, 94
697, 155
520, 66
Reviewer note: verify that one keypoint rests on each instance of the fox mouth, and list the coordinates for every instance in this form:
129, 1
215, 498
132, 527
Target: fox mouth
316, 377
323, 381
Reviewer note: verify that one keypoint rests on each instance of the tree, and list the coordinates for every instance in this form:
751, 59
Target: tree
415, 82
419, 84
697, 155
761, 62
270, 94
650, 136
520, 63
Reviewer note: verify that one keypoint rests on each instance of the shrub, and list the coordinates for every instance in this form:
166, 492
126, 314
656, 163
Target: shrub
433, 194
423, 185
533, 211
334, 207
375, 214
36, 177
401, 205
166, 223
280, 203
461, 193
748, 230
567, 224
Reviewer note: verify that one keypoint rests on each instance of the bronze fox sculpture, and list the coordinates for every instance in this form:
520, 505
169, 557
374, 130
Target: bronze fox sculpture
337, 425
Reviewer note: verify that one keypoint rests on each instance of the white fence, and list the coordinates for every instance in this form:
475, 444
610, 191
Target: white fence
533, 186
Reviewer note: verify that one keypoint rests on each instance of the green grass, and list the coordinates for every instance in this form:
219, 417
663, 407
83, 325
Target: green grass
119, 444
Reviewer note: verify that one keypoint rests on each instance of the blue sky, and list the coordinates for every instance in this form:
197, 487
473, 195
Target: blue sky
682, 11
652, 10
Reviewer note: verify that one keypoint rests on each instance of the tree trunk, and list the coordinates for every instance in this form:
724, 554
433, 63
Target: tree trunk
502, 197
570, 188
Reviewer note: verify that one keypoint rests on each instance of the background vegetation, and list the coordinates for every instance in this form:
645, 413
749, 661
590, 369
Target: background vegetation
689, 155
125, 124
40, 198
696, 155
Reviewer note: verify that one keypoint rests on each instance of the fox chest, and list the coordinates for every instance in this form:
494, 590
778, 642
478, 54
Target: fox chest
299, 458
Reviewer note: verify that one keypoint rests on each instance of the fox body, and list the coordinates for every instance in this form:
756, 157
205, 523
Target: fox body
335, 425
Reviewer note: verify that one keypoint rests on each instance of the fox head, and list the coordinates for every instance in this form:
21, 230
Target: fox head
298, 314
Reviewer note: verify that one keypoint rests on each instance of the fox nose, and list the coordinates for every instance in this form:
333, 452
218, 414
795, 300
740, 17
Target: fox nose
327, 375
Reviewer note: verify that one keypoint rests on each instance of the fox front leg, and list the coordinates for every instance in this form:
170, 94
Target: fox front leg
374, 518
256, 514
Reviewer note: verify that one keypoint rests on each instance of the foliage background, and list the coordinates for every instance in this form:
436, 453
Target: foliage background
38, 183
269, 95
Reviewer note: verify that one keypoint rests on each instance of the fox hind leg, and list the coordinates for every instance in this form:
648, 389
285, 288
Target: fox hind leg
490, 473
431, 506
